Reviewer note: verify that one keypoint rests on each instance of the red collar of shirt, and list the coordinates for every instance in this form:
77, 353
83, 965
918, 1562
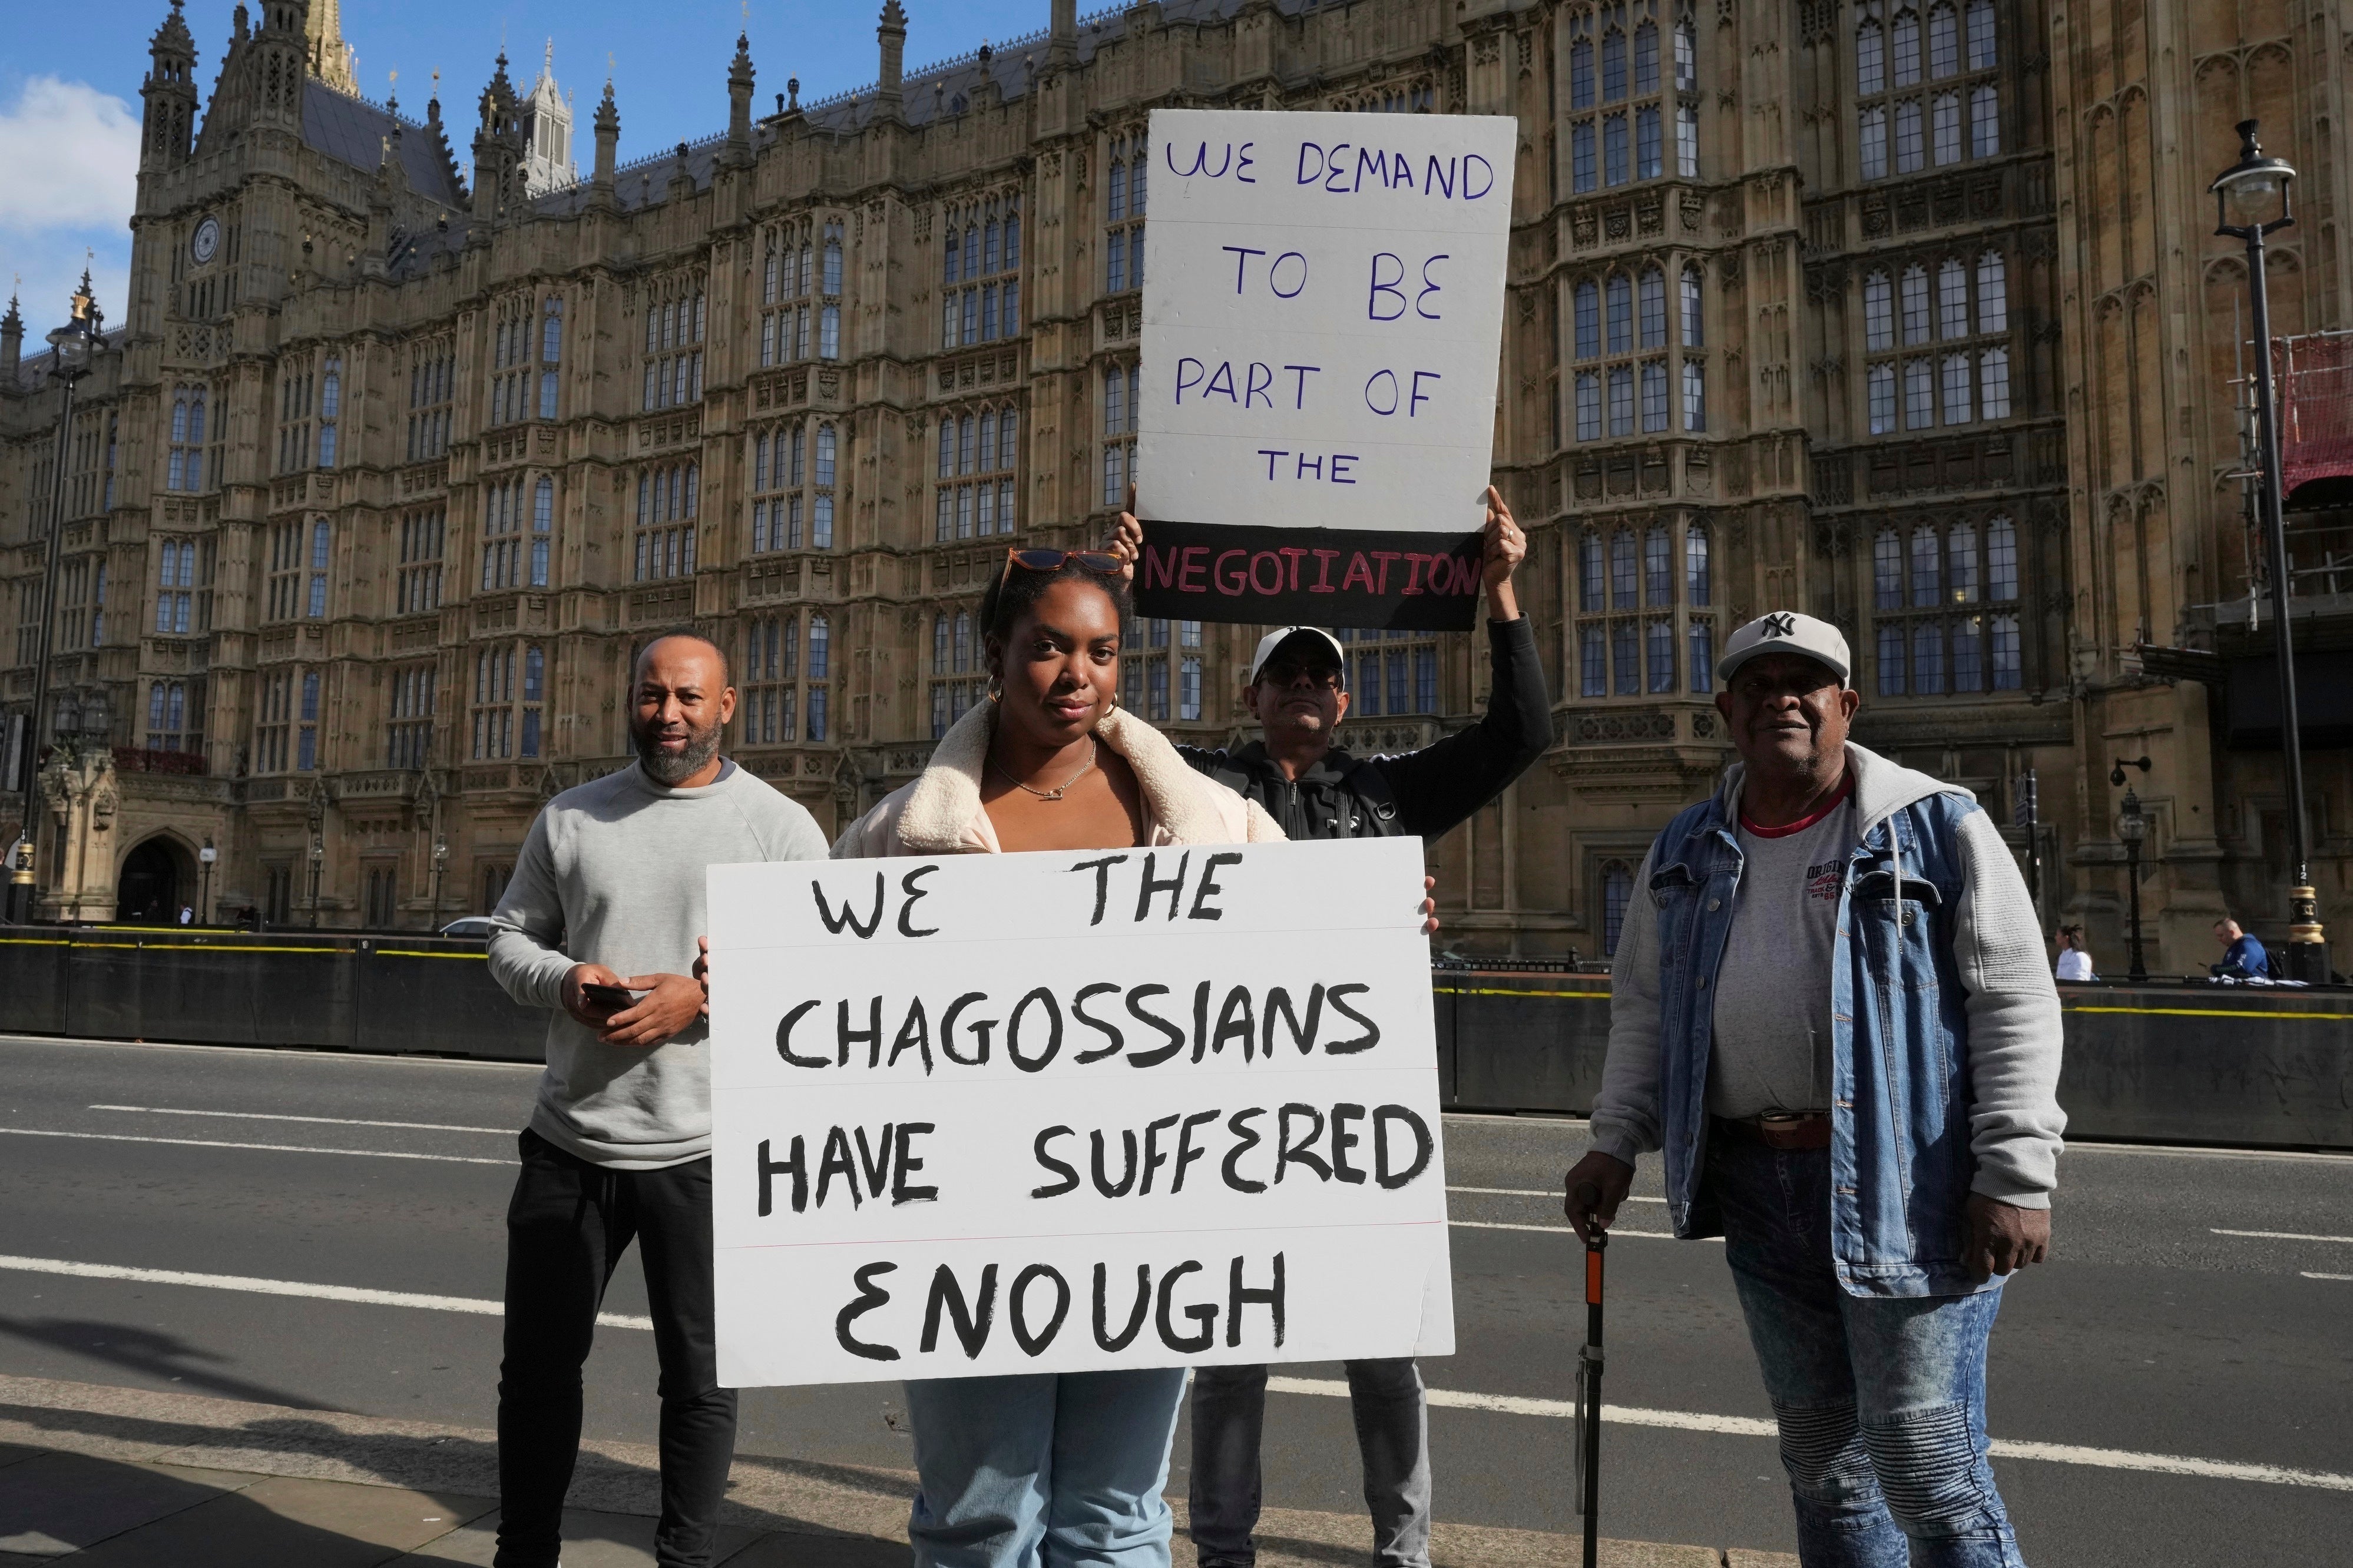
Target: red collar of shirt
1845, 789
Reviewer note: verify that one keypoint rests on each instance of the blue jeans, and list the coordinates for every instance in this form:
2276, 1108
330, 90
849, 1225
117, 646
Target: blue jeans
1392, 1436
1059, 1470
1880, 1399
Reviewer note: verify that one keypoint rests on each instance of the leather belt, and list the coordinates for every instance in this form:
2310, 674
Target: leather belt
1809, 1130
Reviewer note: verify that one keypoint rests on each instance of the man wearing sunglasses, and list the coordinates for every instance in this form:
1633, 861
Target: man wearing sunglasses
1298, 688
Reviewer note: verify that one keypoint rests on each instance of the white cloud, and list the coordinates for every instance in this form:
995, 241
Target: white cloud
69, 177
69, 158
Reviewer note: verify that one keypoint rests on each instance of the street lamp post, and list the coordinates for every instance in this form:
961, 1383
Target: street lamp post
207, 855
440, 864
2256, 187
2132, 828
75, 347
318, 860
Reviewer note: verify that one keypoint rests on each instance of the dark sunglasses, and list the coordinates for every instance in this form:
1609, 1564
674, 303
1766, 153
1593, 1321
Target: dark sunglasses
1100, 561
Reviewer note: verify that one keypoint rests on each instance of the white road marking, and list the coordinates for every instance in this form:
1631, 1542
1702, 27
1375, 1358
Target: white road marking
278, 1148
333, 1120
1564, 1230
2282, 1235
1749, 1427
2309, 1274
1505, 1192
1445, 1398
287, 1287
312, 1053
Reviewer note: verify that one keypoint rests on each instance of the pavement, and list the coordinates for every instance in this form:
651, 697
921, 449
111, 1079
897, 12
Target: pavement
248, 1315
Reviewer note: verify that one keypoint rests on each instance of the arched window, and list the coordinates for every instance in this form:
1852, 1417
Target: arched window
825, 450
1658, 568
1613, 66
1878, 312
1587, 315
965, 652
1928, 659
1653, 307
1887, 571
1961, 563
1944, 127
1696, 588
1588, 406
1686, 55
1694, 316
1616, 891
1993, 384
1944, 41
1879, 386
1906, 38
1985, 122
1993, 295
543, 526
1622, 576
1891, 658
820, 635
1955, 388
1621, 401
1592, 581
1702, 639
1980, 31
1870, 58
2009, 670
1580, 70
1621, 313
1916, 304
550, 332
1952, 299
1871, 127
940, 644
1646, 58
1924, 563
1655, 396
2001, 560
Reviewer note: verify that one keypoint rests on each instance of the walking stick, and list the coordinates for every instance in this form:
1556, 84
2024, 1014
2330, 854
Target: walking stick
1588, 1379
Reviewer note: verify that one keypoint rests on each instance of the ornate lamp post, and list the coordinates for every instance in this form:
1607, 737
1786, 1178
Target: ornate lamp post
208, 855
440, 864
76, 347
2256, 189
318, 860
2132, 828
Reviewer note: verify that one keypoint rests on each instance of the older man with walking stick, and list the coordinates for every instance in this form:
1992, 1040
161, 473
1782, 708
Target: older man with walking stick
1829, 1011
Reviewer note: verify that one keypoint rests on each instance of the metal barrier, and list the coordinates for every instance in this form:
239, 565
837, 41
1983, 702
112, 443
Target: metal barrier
2173, 1063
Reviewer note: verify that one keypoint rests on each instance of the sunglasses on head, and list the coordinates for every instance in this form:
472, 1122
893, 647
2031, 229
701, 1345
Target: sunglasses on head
1100, 561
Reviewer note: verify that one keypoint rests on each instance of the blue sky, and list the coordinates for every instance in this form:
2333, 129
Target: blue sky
69, 93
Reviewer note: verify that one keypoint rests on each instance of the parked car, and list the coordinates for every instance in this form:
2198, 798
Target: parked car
469, 925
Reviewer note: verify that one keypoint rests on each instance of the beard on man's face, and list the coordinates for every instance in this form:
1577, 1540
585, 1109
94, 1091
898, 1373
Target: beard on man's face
673, 767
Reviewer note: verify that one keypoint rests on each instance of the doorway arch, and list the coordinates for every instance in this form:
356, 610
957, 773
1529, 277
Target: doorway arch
153, 883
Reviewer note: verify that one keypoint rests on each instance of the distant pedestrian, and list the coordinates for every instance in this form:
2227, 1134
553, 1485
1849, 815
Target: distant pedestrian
1827, 1012
608, 893
2244, 957
187, 915
2075, 964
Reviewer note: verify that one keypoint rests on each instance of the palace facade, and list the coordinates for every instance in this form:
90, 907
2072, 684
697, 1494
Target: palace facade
1904, 313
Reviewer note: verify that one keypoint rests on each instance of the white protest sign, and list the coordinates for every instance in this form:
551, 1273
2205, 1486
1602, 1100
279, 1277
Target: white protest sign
1322, 323
1072, 1112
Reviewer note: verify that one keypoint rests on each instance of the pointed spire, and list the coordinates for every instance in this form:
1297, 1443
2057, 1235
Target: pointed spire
609, 138
739, 100
891, 33
1062, 33
12, 340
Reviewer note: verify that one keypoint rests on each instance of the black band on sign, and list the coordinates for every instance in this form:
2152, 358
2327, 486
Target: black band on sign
1374, 578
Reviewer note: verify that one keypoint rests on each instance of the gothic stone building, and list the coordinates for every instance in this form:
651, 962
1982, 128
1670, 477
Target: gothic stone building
1900, 311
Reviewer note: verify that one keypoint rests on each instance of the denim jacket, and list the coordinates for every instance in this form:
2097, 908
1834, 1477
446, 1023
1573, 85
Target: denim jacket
1944, 1027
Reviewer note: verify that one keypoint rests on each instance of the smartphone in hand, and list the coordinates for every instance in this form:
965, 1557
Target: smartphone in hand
611, 997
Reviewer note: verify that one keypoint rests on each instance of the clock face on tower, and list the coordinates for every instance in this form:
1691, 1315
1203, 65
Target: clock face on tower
207, 241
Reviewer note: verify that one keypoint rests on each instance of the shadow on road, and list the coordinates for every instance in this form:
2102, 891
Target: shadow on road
164, 1356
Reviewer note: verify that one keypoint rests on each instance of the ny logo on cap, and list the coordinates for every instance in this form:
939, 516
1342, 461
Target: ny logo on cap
1781, 626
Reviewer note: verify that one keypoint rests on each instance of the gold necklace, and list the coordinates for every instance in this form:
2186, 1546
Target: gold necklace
1056, 793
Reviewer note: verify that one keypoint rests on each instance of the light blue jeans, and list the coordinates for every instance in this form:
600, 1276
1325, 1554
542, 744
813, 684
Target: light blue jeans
1059, 1470
1880, 1399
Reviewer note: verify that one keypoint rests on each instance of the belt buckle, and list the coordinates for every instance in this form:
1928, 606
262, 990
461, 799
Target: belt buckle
1781, 1129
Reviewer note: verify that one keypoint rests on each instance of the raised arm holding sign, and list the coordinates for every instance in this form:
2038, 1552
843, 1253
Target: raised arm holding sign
1321, 335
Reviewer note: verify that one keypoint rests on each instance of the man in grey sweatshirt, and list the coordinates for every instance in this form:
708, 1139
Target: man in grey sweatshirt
1829, 1012
607, 903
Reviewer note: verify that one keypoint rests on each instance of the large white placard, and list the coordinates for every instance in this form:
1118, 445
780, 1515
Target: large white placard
1323, 316
1070, 1111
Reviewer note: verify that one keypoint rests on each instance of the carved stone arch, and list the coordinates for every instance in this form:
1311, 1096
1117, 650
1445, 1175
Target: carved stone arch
2229, 270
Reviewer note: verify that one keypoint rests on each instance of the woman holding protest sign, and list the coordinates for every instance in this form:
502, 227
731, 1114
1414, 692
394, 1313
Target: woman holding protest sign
1064, 1467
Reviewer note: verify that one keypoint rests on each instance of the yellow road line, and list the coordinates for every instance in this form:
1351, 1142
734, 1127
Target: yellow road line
414, 952
2217, 1013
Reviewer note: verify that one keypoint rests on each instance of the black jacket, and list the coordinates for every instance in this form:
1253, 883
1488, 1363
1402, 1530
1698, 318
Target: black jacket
1423, 792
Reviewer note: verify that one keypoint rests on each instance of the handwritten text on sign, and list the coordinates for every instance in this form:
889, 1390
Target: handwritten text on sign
1068, 1111
1321, 329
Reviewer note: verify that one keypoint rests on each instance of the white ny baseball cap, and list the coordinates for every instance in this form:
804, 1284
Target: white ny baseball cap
1786, 631
1281, 634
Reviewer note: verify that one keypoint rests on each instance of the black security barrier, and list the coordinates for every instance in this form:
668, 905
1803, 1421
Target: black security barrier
2176, 1063
337, 990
